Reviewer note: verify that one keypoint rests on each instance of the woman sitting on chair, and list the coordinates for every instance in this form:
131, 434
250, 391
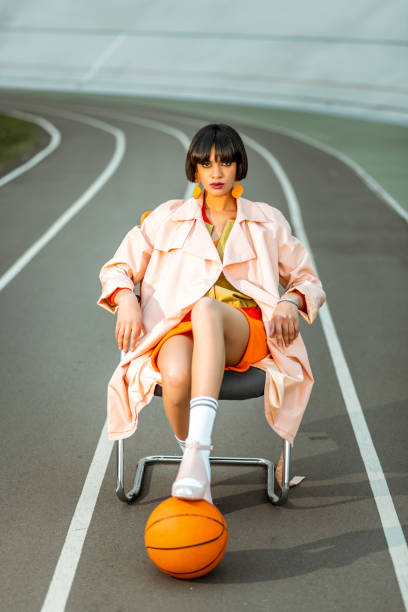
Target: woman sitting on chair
211, 325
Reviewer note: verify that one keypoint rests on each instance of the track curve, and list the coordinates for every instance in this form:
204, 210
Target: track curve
327, 544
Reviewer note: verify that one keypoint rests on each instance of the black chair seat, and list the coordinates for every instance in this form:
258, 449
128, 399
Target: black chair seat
237, 385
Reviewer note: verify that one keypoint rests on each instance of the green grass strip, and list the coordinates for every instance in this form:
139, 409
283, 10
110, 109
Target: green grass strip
18, 140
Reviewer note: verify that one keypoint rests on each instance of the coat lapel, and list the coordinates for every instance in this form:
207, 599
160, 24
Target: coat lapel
239, 245
198, 241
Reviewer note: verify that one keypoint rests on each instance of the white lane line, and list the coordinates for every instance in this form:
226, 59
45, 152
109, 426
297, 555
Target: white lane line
394, 535
365, 176
151, 123
351, 109
64, 573
389, 519
120, 146
371, 183
62, 580
38, 157
117, 41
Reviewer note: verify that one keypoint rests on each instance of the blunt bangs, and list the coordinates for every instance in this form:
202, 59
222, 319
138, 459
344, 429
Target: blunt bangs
228, 148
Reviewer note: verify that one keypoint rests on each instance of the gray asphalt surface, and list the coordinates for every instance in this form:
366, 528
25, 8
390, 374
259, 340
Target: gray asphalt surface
325, 549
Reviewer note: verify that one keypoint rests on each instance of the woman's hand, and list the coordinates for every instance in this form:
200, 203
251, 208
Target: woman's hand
129, 320
285, 323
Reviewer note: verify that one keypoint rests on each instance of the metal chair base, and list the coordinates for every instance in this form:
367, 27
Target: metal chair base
274, 493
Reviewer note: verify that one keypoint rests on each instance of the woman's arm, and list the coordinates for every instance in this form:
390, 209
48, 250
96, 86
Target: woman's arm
111, 299
297, 296
129, 320
118, 278
127, 267
297, 274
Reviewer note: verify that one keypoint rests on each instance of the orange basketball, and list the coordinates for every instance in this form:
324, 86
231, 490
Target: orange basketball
186, 539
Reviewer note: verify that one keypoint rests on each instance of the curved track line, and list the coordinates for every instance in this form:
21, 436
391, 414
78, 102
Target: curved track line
64, 573
78, 204
38, 157
155, 125
61, 583
365, 176
394, 535
389, 519
371, 183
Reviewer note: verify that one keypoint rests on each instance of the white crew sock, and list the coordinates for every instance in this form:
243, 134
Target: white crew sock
181, 443
203, 410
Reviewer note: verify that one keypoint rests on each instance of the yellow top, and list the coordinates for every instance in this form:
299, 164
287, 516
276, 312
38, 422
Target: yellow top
222, 290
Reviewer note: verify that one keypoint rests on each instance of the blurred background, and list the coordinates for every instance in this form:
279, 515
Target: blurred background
348, 57
301, 66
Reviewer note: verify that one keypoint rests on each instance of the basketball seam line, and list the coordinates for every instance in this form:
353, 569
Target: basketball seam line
197, 570
210, 518
188, 545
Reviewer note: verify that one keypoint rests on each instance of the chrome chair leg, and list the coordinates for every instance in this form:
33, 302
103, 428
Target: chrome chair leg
284, 491
276, 495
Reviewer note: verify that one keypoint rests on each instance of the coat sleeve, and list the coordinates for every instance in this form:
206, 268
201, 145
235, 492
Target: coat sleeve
296, 271
128, 265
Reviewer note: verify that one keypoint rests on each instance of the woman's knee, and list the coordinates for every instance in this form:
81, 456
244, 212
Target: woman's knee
206, 308
176, 379
174, 361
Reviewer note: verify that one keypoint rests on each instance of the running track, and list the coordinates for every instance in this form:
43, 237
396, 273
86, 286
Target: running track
67, 542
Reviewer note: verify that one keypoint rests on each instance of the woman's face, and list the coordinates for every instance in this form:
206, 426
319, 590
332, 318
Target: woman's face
212, 172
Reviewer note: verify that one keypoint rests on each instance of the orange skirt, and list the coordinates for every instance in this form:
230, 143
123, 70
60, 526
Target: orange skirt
256, 349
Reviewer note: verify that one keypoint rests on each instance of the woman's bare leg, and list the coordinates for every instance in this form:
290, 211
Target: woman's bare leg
174, 362
221, 335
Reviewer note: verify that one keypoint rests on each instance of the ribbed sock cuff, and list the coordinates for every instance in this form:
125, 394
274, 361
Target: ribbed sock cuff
204, 400
203, 410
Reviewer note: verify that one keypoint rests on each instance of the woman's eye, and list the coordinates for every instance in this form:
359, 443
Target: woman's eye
208, 164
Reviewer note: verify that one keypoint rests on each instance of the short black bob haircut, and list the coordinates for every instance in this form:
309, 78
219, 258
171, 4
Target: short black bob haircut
228, 148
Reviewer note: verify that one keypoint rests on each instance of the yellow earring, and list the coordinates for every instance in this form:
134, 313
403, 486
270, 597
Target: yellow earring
197, 188
237, 191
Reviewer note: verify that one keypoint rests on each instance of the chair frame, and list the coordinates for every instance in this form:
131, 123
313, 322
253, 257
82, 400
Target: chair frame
274, 493
277, 495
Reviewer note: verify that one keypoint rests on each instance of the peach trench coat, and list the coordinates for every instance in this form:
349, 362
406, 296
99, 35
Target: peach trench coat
172, 251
